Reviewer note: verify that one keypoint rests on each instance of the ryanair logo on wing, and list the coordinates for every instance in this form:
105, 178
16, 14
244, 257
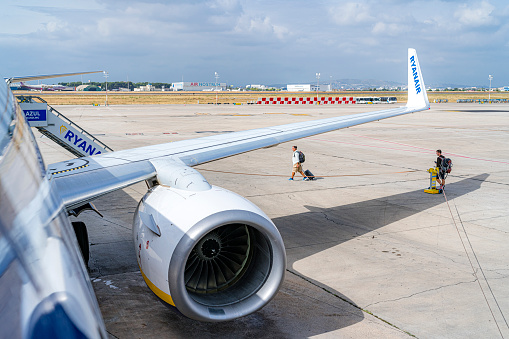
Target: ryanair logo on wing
78, 142
417, 82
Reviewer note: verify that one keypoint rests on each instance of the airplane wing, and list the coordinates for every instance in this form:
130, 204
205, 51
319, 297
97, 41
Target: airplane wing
212, 254
82, 180
47, 76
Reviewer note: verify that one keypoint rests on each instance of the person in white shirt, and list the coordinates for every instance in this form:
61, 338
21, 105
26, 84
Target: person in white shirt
297, 167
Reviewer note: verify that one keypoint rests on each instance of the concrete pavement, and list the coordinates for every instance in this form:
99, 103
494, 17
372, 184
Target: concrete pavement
369, 254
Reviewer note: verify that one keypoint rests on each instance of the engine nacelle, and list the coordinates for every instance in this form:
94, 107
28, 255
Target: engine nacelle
212, 254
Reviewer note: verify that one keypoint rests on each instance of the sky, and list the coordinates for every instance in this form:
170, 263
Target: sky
257, 42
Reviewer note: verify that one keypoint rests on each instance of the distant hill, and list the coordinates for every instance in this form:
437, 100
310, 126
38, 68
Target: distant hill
365, 84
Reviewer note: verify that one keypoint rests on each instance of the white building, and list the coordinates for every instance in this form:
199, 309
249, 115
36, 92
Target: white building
307, 88
198, 86
261, 87
147, 88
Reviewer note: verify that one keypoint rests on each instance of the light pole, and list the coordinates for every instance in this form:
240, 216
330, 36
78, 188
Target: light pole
317, 85
490, 77
330, 88
106, 77
217, 76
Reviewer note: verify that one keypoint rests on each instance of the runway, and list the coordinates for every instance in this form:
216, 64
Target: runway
369, 253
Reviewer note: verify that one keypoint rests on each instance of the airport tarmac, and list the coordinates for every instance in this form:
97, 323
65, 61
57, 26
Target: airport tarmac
369, 253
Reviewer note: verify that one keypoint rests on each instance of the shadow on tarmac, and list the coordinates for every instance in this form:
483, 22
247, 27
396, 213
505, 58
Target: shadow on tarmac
289, 315
323, 228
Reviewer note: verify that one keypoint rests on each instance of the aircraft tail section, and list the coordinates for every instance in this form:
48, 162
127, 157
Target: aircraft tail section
417, 96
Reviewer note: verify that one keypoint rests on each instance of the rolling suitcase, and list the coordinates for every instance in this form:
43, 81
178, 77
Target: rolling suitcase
310, 175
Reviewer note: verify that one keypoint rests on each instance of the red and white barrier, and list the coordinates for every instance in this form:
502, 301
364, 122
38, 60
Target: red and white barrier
305, 101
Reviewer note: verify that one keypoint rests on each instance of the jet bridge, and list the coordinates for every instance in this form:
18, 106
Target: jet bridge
59, 128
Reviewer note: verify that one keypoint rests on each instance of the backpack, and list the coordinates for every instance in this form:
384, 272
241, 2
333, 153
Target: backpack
446, 165
302, 157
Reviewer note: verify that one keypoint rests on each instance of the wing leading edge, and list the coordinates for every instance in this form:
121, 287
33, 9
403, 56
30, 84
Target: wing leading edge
47, 76
84, 179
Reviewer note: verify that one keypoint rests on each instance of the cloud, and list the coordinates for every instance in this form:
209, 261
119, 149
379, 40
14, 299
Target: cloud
261, 27
54, 26
253, 41
351, 13
391, 29
227, 6
476, 15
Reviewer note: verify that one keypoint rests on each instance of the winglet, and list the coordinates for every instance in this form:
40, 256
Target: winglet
417, 96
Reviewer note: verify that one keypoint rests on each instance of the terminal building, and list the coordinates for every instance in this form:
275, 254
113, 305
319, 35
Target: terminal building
198, 86
308, 88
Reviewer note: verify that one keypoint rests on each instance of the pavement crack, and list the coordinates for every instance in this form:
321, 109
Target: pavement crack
101, 276
351, 303
353, 226
421, 292
317, 243
114, 336
332, 220
111, 222
474, 222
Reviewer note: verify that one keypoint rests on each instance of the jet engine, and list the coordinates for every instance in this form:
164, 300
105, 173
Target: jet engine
211, 253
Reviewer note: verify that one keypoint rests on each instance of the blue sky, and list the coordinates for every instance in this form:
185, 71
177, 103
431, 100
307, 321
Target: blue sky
252, 42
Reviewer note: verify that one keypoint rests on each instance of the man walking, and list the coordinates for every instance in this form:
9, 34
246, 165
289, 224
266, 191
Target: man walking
297, 167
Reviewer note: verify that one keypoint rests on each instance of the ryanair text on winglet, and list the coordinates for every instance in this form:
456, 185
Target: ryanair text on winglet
416, 76
79, 142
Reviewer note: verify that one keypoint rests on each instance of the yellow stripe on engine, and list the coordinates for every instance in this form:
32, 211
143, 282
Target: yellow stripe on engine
160, 294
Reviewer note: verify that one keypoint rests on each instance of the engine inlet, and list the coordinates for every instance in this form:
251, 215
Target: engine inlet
219, 259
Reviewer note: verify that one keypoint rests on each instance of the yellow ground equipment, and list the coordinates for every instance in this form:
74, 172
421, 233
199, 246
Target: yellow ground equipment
432, 189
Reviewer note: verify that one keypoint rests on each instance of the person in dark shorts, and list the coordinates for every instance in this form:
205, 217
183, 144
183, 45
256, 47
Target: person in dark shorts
441, 171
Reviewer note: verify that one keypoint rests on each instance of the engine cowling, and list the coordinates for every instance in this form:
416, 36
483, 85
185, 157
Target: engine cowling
212, 254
